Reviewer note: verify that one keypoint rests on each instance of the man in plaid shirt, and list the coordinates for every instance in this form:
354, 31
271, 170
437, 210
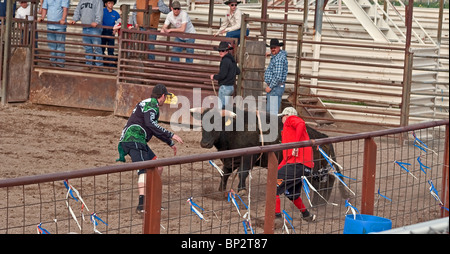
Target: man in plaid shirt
275, 76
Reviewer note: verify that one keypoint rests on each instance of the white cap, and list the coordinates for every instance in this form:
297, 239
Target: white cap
290, 111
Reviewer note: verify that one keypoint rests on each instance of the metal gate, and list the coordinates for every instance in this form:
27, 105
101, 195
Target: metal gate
16, 52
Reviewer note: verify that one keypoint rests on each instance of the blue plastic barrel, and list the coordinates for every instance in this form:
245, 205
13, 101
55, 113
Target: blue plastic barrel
364, 224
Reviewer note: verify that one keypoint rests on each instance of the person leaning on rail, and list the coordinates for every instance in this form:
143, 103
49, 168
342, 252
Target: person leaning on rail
231, 26
178, 20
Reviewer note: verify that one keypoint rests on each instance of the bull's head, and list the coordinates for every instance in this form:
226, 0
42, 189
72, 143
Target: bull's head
213, 122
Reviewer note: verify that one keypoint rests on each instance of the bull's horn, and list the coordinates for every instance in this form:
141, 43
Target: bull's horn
228, 113
197, 110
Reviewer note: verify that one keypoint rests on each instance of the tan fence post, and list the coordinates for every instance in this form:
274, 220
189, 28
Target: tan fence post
271, 192
152, 204
242, 53
369, 170
406, 89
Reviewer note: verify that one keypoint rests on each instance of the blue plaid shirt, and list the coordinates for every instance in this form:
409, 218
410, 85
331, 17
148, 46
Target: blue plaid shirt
277, 70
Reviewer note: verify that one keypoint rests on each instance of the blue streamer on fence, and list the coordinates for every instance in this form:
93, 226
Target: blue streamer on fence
194, 209
289, 220
383, 195
42, 230
422, 166
402, 165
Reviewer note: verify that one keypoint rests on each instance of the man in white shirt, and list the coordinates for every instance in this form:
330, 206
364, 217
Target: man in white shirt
180, 22
23, 11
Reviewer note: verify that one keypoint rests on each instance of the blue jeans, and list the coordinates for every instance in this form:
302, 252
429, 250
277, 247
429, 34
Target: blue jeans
93, 40
274, 94
180, 49
237, 34
60, 47
224, 95
151, 37
108, 42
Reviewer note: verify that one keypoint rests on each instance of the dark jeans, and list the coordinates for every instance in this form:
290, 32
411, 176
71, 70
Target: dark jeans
291, 181
108, 42
138, 152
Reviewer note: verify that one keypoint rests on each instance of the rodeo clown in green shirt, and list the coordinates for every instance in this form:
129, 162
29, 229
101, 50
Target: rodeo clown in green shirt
140, 128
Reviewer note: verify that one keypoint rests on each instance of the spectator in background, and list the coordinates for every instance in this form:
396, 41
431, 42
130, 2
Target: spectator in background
56, 11
131, 21
275, 76
110, 16
227, 74
23, 12
90, 12
232, 24
180, 22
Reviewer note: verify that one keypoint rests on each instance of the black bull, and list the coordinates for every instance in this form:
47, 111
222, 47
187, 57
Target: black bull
227, 138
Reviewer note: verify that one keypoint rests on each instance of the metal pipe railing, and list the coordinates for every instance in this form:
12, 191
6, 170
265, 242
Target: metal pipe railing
211, 156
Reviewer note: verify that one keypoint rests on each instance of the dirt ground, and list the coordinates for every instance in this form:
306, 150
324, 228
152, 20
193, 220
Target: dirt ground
38, 139
41, 139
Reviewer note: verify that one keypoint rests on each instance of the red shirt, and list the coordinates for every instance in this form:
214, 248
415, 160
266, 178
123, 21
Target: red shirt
294, 130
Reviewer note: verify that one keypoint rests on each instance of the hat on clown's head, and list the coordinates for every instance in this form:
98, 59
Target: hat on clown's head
289, 111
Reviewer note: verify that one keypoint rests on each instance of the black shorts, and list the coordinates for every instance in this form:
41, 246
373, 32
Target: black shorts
138, 152
290, 180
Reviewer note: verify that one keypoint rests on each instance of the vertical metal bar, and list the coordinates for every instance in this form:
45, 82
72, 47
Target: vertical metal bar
271, 192
445, 175
298, 64
2, 22
211, 13
125, 14
407, 70
33, 35
168, 37
264, 17
369, 172
441, 18
147, 14
286, 10
305, 14
152, 203
7, 52
242, 52
318, 17
406, 90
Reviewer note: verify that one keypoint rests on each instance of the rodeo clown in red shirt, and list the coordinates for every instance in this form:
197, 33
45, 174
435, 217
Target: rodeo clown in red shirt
296, 163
